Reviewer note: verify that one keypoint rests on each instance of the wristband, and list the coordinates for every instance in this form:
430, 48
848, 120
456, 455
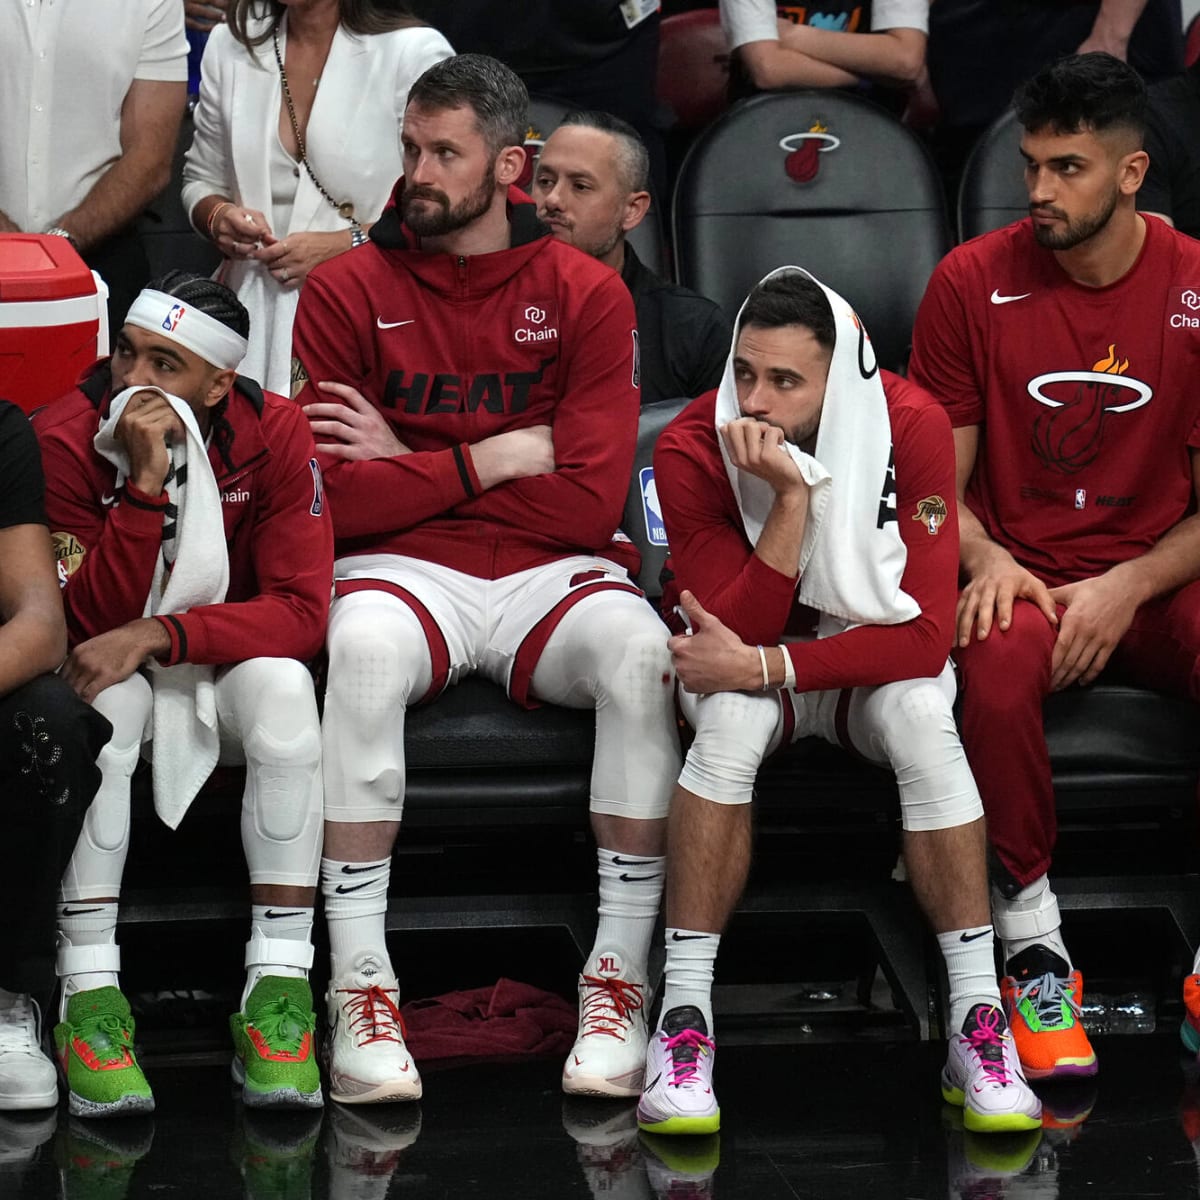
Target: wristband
789, 670
762, 658
212, 217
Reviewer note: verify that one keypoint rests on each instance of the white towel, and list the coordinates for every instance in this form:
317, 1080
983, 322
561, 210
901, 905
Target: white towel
186, 737
850, 565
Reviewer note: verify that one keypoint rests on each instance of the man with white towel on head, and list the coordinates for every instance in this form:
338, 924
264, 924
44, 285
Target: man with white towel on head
809, 506
196, 558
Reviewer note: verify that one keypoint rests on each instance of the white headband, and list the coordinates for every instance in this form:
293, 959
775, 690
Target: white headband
184, 323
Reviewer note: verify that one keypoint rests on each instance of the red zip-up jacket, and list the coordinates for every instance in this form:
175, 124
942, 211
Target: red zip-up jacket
452, 349
277, 529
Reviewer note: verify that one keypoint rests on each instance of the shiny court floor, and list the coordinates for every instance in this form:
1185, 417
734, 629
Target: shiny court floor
862, 1121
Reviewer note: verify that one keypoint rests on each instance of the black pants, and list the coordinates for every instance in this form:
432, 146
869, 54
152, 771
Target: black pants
49, 740
124, 266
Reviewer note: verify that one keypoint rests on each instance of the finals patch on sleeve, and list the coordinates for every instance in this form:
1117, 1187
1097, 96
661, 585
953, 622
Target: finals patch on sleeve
68, 554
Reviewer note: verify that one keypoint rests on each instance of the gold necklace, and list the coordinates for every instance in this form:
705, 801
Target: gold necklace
345, 210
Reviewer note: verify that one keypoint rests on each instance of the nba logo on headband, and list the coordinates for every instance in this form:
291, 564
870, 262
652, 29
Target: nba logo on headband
172, 318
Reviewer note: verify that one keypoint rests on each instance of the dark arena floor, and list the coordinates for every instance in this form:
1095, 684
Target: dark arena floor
857, 1118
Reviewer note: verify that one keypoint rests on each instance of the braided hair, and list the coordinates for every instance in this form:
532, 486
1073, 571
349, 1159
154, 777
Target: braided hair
210, 297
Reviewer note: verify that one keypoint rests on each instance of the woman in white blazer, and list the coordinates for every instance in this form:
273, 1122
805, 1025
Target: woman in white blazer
297, 147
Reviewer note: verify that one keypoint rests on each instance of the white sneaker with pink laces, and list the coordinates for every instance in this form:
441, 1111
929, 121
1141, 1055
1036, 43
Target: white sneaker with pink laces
368, 1060
609, 1055
983, 1076
679, 1096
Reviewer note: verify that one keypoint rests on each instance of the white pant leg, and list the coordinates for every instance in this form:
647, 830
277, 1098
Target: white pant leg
267, 712
379, 661
909, 726
735, 731
98, 861
609, 652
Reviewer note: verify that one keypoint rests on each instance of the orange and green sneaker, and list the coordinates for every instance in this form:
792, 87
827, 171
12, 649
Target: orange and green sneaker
1189, 1031
274, 1047
1042, 996
94, 1046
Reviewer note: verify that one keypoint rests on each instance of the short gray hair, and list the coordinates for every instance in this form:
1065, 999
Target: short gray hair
495, 93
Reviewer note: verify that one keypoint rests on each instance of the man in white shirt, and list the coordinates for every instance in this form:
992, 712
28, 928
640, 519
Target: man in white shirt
849, 41
92, 92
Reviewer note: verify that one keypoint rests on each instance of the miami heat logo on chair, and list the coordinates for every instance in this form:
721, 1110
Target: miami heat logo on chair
802, 149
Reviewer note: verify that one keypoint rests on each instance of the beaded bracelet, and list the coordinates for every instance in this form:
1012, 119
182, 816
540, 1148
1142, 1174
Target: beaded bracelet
212, 217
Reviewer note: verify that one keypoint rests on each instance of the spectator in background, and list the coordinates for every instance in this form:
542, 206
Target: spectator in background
49, 740
793, 46
591, 186
92, 92
295, 150
1171, 188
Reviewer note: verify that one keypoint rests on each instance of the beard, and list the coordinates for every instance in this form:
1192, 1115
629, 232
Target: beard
443, 218
1076, 232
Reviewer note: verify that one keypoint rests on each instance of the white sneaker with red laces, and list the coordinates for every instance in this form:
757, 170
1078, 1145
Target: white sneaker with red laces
609, 1055
368, 1060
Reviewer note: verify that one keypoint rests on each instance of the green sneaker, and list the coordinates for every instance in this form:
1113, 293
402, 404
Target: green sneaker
274, 1047
95, 1053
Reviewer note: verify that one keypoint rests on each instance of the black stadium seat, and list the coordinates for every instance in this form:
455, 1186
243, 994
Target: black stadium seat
821, 180
992, 191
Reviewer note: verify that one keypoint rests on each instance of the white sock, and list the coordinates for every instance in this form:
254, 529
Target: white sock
631, 887
688, 977
86, 923
355, 908
282, 922
1030, 918
971, 970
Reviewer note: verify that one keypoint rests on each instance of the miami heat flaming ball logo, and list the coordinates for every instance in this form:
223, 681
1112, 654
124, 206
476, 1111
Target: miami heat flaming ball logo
802, 150
534, 141
1069, 436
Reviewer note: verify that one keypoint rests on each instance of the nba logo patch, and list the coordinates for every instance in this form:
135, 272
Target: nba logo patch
172, 318
656, 531
1080, 497
318, 501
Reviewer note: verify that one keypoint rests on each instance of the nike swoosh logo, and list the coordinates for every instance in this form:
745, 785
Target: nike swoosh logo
107, 501
634, 878
630, 862
652, 1086
972, 937
577, 1062
999, 299
79, 912
342, 889
348, 870
392, 324
687, 937
272, 915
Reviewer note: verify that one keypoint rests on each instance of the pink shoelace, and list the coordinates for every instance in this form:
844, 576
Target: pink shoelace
609, 1006
685, 1048
373, 1015
987, 1040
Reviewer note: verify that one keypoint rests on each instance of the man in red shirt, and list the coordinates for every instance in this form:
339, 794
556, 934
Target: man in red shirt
1077, 451
195, 555
819, 603
473, 386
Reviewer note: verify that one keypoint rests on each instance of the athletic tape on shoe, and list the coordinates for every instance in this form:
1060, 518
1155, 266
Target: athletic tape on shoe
80, 960
1011, 926
279, 952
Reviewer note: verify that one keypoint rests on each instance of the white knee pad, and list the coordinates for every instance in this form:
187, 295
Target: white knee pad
378, 660
733, 733
913, 725
98, 861
1018, 919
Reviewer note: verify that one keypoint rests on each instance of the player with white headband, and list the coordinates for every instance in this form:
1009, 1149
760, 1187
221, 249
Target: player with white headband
195, 554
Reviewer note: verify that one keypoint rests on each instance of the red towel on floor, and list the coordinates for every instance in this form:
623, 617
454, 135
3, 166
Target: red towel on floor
509, 1019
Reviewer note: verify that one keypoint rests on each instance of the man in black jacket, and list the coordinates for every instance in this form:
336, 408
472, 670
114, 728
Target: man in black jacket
590, 185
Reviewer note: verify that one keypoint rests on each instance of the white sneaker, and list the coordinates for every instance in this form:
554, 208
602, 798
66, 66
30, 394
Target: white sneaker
365, 1147
27, 1076
679, 1094
983, 1076
609, 1055
368, 1060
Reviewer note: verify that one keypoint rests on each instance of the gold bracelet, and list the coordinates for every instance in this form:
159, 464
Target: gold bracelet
212, 217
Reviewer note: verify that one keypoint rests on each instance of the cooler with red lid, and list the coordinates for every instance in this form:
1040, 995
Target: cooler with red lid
53, 320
